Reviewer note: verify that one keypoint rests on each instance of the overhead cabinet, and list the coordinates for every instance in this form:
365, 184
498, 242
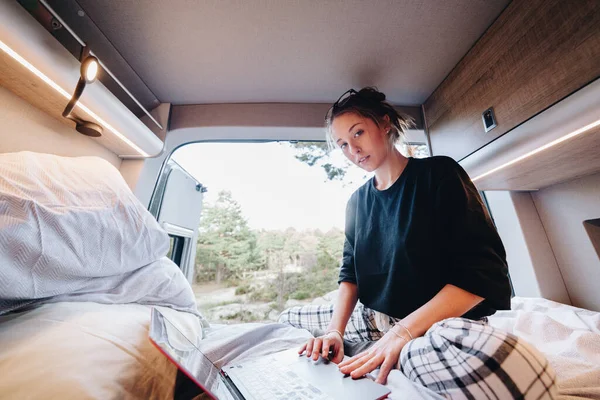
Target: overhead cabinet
534, 55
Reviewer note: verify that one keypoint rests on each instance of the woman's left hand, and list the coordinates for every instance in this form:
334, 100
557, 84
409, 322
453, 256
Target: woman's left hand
385, 352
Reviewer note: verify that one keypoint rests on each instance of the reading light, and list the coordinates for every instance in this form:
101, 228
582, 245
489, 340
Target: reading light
541, 148
17, 57
89, 69
88, 74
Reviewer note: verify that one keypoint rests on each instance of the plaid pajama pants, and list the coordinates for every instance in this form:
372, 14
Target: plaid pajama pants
312, 317
457, 358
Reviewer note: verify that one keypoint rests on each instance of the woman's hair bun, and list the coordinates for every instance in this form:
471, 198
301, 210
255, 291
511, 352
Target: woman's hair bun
372, 94
369, 103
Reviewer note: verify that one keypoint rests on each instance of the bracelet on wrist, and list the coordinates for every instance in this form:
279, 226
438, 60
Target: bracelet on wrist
400, 324
399, 335
335, 331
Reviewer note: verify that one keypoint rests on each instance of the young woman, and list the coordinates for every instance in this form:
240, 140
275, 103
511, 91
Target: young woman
420, 246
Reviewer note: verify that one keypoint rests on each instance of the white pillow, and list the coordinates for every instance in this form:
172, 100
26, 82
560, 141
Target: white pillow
65, 221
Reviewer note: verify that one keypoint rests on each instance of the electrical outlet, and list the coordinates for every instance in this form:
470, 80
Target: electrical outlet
489, 119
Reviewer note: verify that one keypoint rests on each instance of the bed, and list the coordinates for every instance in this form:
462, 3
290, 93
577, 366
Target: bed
83, 263
92, 350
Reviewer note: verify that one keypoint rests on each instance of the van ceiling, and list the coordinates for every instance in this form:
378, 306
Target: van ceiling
223, 51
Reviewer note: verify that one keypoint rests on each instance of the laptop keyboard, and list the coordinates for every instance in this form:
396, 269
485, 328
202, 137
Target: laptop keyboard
263, 382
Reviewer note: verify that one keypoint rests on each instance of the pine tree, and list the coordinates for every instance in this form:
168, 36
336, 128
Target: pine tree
226, 245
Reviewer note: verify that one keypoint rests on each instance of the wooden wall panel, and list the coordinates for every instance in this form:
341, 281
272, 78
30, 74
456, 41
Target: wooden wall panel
536, 53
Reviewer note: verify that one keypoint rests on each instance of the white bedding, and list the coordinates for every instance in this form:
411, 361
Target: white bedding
72, 230
568, 336
83, 351
97, 351
73, 235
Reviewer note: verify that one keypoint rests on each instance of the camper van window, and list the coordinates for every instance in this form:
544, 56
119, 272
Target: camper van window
176, 247
171, 246
271, 227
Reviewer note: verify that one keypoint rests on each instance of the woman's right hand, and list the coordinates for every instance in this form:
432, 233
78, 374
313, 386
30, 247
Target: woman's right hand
320, 346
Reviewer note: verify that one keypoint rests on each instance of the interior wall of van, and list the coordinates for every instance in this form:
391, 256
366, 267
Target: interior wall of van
549, 250
25, 127
563, 208
532, 265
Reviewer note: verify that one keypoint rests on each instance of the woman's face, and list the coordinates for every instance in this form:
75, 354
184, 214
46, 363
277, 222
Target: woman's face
361, 140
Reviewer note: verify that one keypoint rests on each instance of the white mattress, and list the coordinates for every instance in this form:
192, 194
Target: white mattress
82, 351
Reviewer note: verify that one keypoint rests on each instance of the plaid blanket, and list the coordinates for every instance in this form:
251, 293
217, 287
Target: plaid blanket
457, 358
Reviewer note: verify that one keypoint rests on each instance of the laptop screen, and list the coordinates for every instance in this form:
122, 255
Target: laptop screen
186, 355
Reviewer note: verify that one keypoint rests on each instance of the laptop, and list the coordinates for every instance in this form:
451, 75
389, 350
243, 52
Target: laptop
282, 375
